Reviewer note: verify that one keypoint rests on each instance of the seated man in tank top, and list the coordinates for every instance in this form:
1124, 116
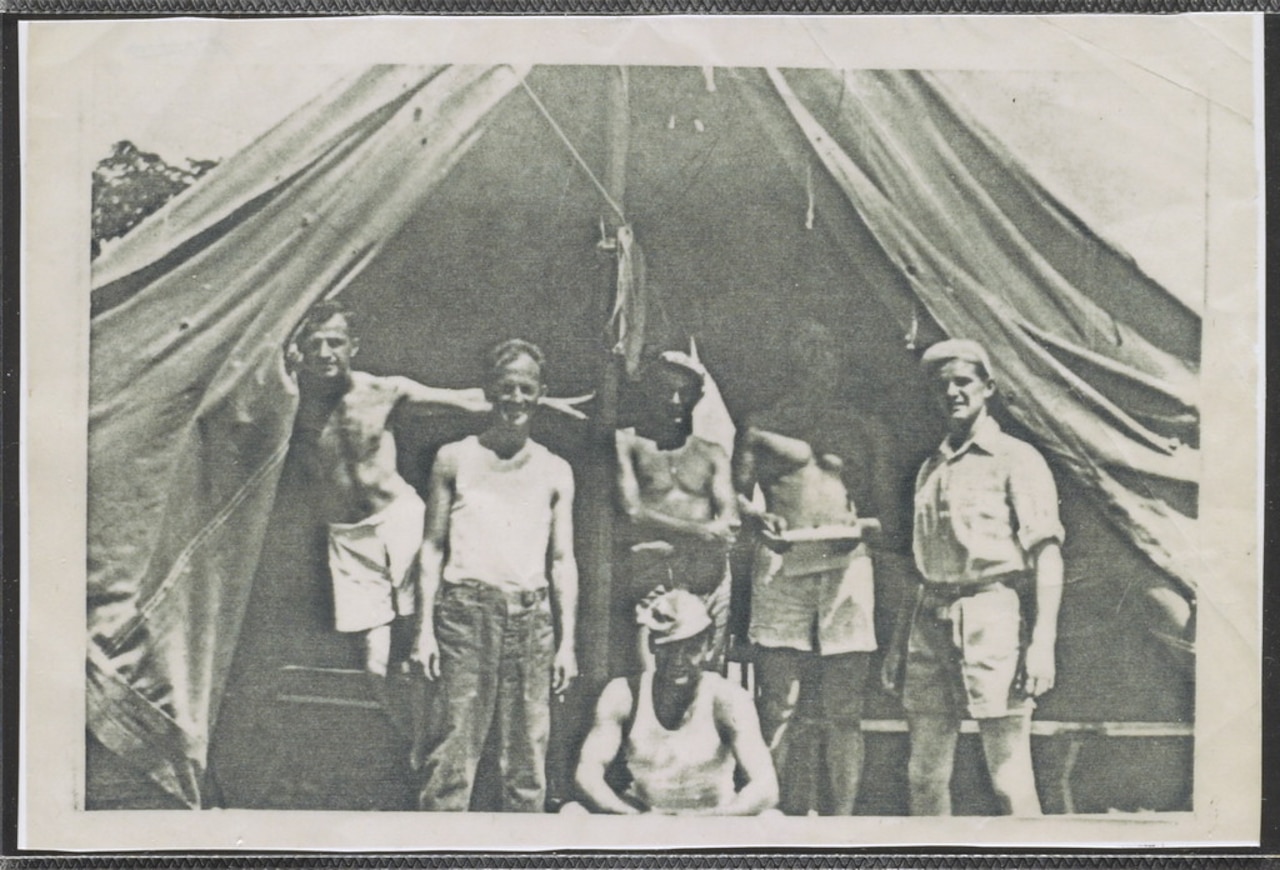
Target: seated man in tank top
681, 731
499, 589
676, 490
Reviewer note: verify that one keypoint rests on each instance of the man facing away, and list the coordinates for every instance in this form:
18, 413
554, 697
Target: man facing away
499, 587
676, 490
812, 613
680, 730
986, 526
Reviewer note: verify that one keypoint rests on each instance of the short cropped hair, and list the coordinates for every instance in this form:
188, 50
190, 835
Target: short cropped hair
321, 313
506, 352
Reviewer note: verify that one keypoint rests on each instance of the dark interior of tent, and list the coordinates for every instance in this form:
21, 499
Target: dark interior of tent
516, 242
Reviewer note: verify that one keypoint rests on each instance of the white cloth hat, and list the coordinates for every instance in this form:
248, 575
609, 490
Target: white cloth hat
672, 615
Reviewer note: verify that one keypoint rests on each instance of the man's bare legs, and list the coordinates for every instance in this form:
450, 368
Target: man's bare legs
1006, 743
377, 650
395, 693
933, 753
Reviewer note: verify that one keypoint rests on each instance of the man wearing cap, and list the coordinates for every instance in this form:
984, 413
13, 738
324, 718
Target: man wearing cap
681, 731
986, 527
677, 492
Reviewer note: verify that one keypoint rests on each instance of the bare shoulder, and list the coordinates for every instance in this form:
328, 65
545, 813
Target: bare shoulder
448, 455
557, 466
615, 700
710, 449
732, 701
369, 387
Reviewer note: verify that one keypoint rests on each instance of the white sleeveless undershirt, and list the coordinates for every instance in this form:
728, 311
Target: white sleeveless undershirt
688, 768
500, 520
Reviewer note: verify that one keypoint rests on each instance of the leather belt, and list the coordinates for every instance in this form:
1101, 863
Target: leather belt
936, 598
517, 599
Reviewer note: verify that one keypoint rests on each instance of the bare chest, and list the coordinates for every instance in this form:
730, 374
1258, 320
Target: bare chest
349, 429
684, 471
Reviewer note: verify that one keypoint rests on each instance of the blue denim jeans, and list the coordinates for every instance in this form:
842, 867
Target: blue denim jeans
496, 651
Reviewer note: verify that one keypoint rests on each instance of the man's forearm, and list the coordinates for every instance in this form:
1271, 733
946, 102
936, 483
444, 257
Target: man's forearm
430, 569
1048, 581
468, 399
602, 799
564, 590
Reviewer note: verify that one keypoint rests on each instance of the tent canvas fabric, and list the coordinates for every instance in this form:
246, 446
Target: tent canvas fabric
442, 198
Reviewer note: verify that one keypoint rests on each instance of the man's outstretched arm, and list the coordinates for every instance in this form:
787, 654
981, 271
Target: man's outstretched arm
472, 400
423, 398
599, 749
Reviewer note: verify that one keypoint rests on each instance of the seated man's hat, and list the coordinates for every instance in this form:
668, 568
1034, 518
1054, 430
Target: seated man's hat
672, 615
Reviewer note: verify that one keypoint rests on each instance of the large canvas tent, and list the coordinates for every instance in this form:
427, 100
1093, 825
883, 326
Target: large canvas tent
596, 210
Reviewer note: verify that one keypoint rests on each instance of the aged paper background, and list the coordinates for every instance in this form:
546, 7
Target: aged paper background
59, 150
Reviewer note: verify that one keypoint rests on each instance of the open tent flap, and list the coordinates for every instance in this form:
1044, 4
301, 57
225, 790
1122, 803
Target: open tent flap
397, 178
190, 408
979, 274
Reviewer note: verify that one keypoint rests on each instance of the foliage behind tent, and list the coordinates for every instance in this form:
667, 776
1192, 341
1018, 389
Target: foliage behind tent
129, 184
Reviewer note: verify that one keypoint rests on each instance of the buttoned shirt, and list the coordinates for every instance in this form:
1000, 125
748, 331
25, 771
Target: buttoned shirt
983, 508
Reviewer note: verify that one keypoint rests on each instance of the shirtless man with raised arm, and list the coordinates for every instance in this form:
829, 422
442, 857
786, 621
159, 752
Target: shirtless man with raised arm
676, 490
817, 461
374, 517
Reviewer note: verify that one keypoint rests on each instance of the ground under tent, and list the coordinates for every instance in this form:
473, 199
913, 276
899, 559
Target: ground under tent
457, 206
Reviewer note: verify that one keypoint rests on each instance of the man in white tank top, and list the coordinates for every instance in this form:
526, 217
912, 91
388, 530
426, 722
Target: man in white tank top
681, 730
499, 590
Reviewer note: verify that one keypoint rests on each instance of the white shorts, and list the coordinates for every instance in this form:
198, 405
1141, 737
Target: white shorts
812, 605
372, 561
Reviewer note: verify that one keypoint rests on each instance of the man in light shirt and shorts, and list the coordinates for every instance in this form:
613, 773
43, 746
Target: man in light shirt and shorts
986, 528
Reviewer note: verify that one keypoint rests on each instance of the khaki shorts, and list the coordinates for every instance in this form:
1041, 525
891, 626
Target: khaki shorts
964, 656
830, 611
372, 561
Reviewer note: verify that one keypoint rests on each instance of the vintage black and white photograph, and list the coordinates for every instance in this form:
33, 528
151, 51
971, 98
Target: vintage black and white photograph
849, 424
